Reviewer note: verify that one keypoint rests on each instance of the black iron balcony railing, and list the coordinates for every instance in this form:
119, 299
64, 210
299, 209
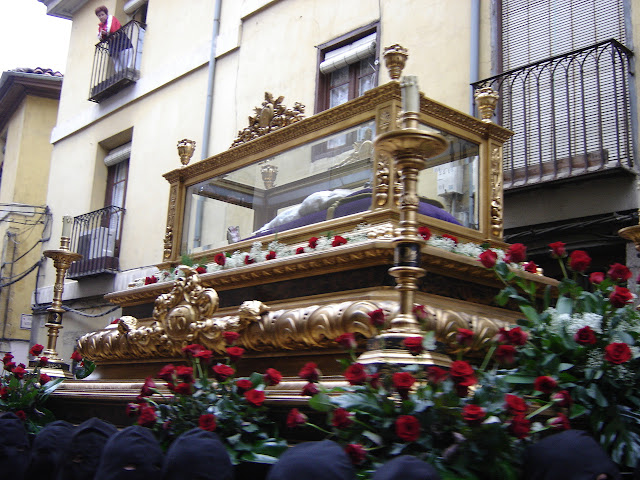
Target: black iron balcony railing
571, 115
96, 236
116, 62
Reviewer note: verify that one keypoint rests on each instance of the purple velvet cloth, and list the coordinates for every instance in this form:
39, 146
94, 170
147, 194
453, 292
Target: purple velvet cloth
358, 205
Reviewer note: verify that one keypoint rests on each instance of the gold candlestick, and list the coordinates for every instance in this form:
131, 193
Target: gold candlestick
62, 260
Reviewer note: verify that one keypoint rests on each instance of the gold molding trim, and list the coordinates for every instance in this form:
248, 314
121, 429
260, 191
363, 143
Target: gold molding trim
496, 192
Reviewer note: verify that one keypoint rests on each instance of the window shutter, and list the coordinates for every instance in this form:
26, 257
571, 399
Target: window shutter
118, 154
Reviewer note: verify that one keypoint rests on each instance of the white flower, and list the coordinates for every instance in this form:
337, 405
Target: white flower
442, 242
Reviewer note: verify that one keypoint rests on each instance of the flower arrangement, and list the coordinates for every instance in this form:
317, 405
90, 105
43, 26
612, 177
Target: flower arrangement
24, 392
232, 407
582, 347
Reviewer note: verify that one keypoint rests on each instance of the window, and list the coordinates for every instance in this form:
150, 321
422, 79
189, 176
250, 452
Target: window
347, 68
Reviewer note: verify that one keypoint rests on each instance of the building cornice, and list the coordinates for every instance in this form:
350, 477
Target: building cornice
63, 8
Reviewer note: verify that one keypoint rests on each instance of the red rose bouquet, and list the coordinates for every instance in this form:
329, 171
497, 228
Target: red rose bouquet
581, 349
208, 395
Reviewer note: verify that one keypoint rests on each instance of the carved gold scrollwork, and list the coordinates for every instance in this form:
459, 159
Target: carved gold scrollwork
382, 180
496, 192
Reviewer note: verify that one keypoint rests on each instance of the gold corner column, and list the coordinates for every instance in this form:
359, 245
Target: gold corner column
62, 260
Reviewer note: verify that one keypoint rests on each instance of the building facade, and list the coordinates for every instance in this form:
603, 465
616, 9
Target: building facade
198, 73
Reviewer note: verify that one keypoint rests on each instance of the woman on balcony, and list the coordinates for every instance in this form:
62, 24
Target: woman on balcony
120, 47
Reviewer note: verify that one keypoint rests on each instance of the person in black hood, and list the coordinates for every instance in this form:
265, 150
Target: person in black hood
569, 455
83, 455
131, 454
406, 467
197, 455
324, 460
14, 447
48, 450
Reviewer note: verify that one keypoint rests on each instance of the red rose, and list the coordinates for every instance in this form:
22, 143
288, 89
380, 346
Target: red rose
420, 311
531, 267
21, 415
424, 232
42, 361
356, 453
559, 422
403, 381
19, 372
545, 384
76, 356
7, 358
616, 353
9, 366
166, 373
243, 385
148, 388
516, 253
310, 372
414, 345
36, 350
408, 428
377, 317
347, 340
519, 426
596, 277
4, 393
150, 280
618, 272
272, 377
313, 242
147, 415
585, 336
44, 378
235, 353
464, 337
338, 240
356, 374
192, 349
255, 397
230, 337
222, 372
207, 421
184, 373
205, 355
132, 409
271, 255
182, 388
462, 373
436, 375
620, 297
473, 414
505, 354
488, 258
310, 389
248, 260
296, 418
220, 259
341, 418
450, 237
201, 269
579, 261
562, 399
558, 250
299, 250
517, 336
515, 405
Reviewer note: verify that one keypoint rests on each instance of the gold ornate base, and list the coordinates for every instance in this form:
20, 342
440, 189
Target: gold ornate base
388, 349
54, 369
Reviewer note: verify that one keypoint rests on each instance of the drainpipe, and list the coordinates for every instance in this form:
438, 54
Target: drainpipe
474, 65
207, 115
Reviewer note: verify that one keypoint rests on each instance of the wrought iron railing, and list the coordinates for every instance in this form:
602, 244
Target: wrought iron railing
116, 62
571, 115
96, 236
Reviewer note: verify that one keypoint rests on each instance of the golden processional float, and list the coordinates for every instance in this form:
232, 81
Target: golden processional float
339, 201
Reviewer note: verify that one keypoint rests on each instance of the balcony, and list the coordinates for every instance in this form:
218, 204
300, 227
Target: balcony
116, 62
96, 236
571, 115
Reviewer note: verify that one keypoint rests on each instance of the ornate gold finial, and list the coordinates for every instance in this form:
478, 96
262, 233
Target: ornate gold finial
395, 58
486, 100
269, 173
186, 148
